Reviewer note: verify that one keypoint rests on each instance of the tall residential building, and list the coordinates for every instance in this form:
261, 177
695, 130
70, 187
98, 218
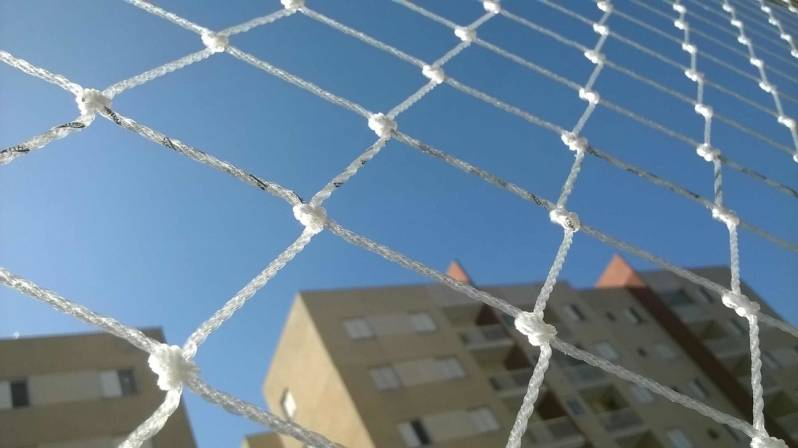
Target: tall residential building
80, 391
421, 365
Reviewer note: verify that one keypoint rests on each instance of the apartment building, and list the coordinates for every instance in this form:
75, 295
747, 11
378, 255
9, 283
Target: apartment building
80, 391
421, 365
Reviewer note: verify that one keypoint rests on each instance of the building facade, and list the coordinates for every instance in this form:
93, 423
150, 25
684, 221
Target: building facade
80, 391
421, 365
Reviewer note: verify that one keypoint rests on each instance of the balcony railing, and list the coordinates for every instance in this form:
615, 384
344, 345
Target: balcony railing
482, 336
511, 382
726, 346
690, 313
585, 375
789, 422
769, 384
619, 420
550, 432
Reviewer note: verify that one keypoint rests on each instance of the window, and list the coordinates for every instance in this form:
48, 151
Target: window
451, 367
117, 383
712, 434
483, 419
678, 438
664, 351
574, 313
422, 322
633, 316
288, 404
358, 328
19, 394
737, 327
705, 296
385, 378
698, 390
575, 406
610, 316
641, 394
606, 350
642, 352
677, 298
770, 361
13, 394
413, 433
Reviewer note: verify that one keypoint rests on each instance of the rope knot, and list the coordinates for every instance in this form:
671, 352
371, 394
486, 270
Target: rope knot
465, 34
604, 5
601, 29
703, 110
534, 328
678, 7
292, 5
680, 24
382, 125
767, 442
591, 96
740, 304
785, 36
313, 218
736, 23
91, 101
172, 366
569, 221
707, 152
743, 40
215, 42
434, 73
766, 9
574, 142
694, 75
786, 121
690, 48
756, 62
594, 56
766, 86
725, 216
728, 8
492, 6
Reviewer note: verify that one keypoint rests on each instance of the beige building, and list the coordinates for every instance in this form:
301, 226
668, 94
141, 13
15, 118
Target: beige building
80, 391
421, 365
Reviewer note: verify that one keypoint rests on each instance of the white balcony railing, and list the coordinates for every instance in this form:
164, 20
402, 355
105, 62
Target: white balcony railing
512, 381
560, 431
727, 346
585, 375
690, 312
485, 336
620, 420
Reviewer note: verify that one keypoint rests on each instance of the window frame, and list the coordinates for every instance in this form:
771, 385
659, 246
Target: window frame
358, 328
382, 381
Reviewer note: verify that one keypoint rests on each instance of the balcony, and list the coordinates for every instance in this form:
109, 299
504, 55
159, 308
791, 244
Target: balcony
690, 313
789, 423
583, 375
622, 420
558, 432
727, 346
769, 384
486, 336
510, 383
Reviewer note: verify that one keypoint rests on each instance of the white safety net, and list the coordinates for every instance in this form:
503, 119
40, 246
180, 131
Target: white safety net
174, 365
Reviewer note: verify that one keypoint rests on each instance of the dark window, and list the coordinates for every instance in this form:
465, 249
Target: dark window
642, 352
19, 394
610, 316
705, 295
712, 434
421, 433
127, 382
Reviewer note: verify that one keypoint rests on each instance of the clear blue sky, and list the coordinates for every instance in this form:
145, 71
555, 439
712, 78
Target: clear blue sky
132, 230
